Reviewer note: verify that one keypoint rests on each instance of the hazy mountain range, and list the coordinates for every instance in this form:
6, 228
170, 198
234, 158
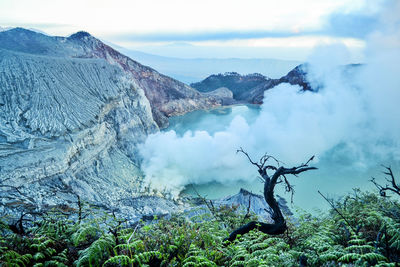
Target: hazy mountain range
197, 69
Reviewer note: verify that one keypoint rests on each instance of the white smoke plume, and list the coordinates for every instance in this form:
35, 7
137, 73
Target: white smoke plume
355, 116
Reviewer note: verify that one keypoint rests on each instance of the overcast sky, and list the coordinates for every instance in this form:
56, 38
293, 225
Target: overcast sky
207, 28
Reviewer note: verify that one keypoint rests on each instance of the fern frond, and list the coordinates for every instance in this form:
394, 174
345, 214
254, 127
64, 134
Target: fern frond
54, 263
39, 256
373, 257
145, 257
349, 257
84, 235
135, 246
120, 260
96, 252
13, 258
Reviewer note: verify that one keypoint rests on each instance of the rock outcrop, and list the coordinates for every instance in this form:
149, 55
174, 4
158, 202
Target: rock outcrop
224, 94
256, 203
245, 201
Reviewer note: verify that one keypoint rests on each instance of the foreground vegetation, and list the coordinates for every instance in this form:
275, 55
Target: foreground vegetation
362, 229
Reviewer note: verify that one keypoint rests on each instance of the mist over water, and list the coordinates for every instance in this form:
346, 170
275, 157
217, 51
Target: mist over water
337, 174
213, 120
352, 125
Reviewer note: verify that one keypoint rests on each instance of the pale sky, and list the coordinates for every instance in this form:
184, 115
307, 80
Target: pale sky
170, 27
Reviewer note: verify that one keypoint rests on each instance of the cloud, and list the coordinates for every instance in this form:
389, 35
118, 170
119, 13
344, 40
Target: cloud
352, 122
355, 23
351, 25
196, 36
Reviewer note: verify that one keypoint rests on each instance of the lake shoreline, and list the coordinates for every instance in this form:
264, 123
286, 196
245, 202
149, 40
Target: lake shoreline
212, 109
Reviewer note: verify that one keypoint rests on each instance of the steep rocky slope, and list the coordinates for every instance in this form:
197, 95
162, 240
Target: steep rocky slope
166, 95
72, 111
67, 128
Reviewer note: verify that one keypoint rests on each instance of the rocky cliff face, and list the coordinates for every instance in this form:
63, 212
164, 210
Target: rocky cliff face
167, 96
72, 111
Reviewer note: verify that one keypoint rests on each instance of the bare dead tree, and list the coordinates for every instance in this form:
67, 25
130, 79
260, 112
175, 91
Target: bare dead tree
392, 186
270, 181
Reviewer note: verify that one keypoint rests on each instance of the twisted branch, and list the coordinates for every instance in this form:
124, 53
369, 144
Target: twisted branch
279, 225
392, 186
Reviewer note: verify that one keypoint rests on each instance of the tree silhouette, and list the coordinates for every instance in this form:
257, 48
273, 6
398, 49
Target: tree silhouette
270, 181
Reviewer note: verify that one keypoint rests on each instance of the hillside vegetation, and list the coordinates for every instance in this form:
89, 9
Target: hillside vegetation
363, 229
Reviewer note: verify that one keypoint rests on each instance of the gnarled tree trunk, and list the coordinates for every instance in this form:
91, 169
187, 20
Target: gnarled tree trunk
279, 175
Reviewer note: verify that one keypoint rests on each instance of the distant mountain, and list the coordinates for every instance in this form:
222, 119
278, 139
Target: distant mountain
72, 111
5, 28
233, 81
250, 88
196, 69
30, 29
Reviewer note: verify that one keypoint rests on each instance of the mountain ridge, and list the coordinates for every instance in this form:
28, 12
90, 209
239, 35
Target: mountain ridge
190, 70
250, 88
167, 96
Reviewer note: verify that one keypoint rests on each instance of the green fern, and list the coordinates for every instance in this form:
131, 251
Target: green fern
394, 233
120, 260
85, 235
42, 243
136, 246
12, 258
196, 257
360, 252
54, 263
59, 259
146, 257
97, 252
258, 249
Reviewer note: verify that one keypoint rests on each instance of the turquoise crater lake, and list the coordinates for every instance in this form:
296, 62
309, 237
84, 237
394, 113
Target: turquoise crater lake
335, 176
